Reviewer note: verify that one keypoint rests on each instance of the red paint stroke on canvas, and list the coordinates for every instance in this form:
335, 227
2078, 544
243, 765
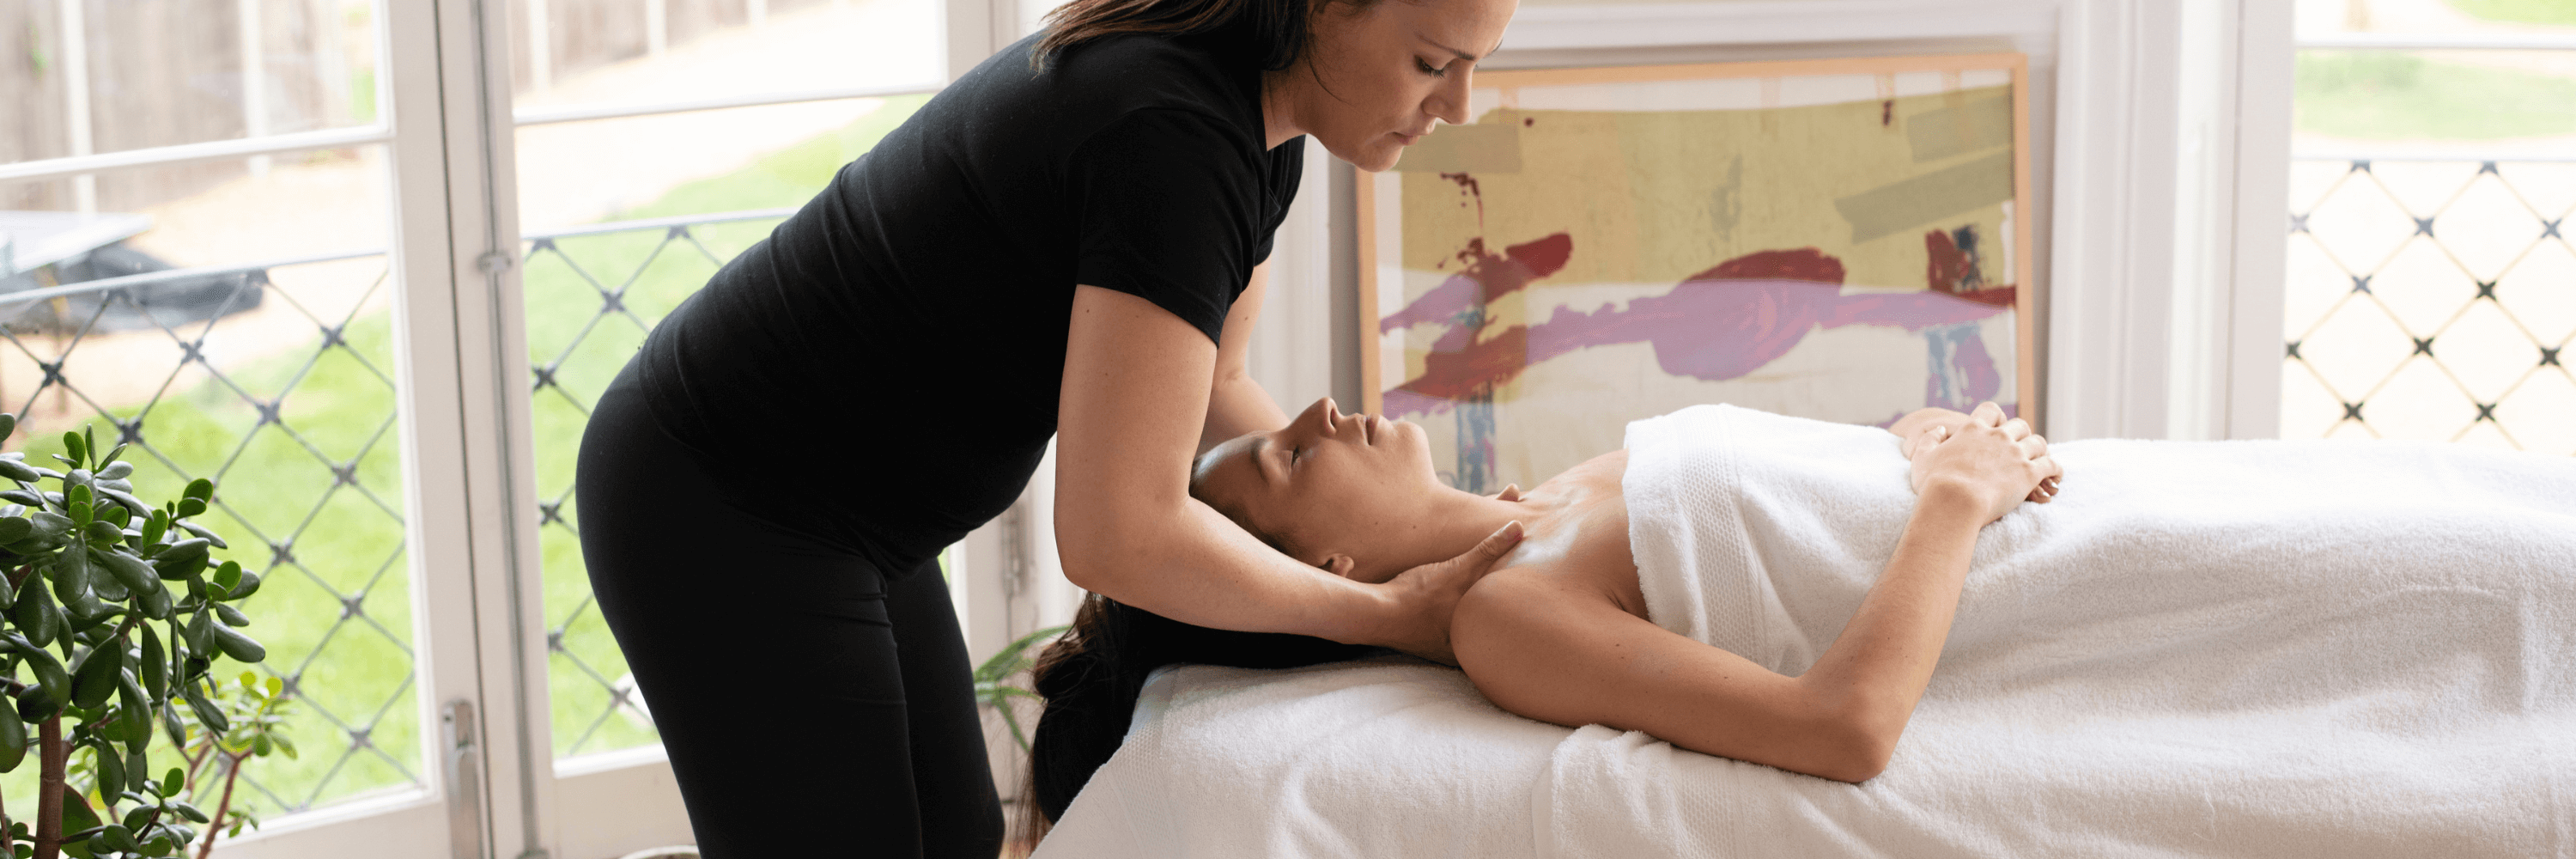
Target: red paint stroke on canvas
1719, 324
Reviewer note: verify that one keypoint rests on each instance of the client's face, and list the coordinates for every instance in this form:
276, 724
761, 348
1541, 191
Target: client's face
1327, 483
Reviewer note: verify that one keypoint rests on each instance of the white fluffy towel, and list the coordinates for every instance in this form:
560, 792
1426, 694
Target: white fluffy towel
2199, 649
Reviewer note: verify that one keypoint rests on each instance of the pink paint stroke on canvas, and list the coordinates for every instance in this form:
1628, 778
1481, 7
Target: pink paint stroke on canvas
1719, 324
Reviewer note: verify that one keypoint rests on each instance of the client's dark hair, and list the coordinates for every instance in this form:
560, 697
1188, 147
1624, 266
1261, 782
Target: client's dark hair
1090, 678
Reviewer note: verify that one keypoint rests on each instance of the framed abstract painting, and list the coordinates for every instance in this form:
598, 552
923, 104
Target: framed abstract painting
1835, 239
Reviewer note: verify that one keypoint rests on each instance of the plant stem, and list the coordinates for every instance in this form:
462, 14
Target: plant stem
49, 790
232, 771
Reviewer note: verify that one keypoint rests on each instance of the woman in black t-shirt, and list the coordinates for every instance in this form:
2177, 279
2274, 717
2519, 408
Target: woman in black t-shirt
1069, 242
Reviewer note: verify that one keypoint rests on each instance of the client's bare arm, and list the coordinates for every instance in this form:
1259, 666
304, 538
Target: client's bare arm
1565, 642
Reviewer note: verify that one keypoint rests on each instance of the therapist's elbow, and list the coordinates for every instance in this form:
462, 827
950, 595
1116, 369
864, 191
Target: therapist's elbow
1104, 551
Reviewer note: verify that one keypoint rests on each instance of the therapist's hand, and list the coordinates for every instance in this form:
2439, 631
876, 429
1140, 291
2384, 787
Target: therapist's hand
1423, 598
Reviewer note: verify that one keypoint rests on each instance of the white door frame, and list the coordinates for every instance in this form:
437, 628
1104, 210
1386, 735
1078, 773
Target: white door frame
475, 803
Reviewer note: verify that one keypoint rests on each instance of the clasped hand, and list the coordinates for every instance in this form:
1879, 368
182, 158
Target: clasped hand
1999, 460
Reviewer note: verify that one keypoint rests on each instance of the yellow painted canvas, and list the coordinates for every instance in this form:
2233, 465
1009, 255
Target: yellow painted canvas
1833, 239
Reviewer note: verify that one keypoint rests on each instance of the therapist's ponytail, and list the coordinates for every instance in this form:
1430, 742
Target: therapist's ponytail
1274, 29
1091, 676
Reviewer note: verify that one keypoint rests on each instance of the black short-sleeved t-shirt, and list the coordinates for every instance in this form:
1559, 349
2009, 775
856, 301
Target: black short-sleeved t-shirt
884, 367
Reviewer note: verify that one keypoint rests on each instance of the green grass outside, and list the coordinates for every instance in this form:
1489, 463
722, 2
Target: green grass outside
351, 546
2384, 95
2549, 12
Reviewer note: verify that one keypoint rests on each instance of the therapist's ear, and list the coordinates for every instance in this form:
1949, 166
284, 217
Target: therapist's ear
1339, 564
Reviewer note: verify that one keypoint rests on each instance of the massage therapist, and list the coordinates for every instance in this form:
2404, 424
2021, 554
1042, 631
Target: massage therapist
1069, 241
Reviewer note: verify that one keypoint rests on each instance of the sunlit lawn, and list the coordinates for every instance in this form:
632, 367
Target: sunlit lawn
337, 617
2383, 95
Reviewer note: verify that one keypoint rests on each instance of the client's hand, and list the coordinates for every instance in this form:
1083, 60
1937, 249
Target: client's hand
1424, 597
1996, 463
1911, 434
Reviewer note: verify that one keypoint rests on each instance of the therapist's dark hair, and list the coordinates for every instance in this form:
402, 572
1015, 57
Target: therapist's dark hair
1274, 28
1091, 676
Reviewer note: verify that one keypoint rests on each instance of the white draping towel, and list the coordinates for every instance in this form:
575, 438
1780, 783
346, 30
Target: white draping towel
2199, 649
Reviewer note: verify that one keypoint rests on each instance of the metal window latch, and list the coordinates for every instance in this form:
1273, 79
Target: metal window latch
462, 759
492, 262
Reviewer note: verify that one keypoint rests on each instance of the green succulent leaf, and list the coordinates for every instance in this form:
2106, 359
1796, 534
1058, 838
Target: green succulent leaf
110, 461
106, 588
26, 497
238, 646
19, 471
133, 506
197, 632
49, 523
207, 713
13, 739
199, 489
134, 712
205, 533
231, 616
137, 762
189, 811
75, 448
111, 770
36, 706
116, 470
249, 585
71, 576
190, 507
15, 528
35, 612
155, 673
136, 574
94, 674
8, 424
170, 726
155, 602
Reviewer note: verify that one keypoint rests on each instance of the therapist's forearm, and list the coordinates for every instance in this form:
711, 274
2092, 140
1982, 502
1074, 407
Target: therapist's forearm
1191, 564
1238, 405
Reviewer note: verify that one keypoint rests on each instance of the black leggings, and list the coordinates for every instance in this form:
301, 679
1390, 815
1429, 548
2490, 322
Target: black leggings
811, 704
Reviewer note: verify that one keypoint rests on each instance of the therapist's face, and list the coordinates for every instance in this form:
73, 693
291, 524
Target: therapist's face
1376, 78
1327, 483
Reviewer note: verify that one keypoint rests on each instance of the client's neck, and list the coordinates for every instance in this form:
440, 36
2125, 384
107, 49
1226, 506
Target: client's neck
1449, 523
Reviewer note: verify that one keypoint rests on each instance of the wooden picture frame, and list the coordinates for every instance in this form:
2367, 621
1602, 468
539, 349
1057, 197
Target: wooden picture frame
1494, 315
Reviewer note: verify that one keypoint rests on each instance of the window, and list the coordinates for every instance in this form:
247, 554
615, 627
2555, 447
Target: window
2431, 284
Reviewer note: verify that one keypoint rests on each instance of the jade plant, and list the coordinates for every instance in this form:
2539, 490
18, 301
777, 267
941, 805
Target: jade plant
129, 596
992, 679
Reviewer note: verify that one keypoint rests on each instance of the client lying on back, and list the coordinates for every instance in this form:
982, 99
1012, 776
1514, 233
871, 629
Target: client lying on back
1558, 631
1778, 591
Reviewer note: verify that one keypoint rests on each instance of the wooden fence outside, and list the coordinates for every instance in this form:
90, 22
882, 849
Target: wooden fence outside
163, 72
